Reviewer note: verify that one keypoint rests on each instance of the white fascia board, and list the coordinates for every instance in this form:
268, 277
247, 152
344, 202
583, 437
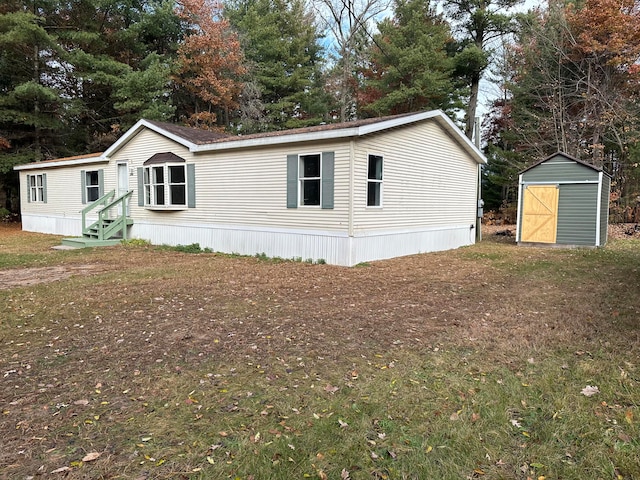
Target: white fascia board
443, 120
133, 131
61, 163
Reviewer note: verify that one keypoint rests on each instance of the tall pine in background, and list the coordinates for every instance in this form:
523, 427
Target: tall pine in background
410, 65
281, 43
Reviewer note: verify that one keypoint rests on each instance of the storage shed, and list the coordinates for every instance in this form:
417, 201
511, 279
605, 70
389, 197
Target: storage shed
563, 201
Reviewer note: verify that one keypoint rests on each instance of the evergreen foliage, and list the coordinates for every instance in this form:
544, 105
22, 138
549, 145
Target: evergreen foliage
410, 66
75, 75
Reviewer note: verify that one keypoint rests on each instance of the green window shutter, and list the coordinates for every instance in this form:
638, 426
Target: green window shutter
44, 187
191, 185
100, 183
327, 179
28, 188
140, 187
83, 185
292, 181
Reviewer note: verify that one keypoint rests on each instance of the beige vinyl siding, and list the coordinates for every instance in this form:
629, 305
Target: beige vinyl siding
64, 190
249, 187
239, 187
428, 180
138, 150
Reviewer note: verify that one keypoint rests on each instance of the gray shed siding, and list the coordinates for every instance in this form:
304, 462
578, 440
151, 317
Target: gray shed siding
577, 214
559, 170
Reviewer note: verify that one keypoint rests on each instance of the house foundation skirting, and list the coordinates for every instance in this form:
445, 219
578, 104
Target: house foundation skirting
333, 247
52, 224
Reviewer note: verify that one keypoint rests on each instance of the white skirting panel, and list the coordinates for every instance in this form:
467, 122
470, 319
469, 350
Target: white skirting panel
332, 247
53, 224
335, 248
380, 246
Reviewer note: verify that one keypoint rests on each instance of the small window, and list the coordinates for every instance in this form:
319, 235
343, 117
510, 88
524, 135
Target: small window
374, 181
92, 184
165, 185
36, 188
310, 179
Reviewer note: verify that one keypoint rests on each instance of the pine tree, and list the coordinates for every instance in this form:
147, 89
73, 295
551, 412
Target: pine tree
281, 44
410, 65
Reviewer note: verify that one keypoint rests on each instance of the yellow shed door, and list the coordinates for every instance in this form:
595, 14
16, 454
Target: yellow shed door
540, 214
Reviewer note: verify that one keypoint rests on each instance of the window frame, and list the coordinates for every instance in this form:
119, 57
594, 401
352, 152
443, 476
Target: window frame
316, 179
36, 191
91, 187
379, 182
151, 186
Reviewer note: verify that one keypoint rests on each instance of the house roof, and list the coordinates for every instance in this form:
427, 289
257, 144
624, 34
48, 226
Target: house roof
200, 141
568, 157
87, 158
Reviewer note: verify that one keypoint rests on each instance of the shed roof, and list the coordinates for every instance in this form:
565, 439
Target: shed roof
568, 157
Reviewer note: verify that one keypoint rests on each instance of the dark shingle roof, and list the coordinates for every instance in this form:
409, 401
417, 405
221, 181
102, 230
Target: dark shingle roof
203, 137
193, 135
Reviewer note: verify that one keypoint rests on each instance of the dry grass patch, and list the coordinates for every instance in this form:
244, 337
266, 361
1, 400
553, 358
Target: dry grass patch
463, 364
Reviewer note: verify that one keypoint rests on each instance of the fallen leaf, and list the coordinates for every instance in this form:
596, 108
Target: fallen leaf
454, 416
210, 460
322, 475
61, 470
84, 401
589, 391
343, 424
374, 455
90, 457
331, 389
344, 474
475, 417
628, 416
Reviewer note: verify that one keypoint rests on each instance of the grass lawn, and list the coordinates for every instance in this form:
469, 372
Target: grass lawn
490, 362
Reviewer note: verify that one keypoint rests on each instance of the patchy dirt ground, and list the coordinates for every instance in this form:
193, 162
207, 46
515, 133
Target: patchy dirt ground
32, 276
102, 324
23, 277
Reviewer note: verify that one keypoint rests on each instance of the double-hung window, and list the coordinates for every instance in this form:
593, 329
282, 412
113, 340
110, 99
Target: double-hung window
310, 178
374, 181
166, 181
92, 185
37, 186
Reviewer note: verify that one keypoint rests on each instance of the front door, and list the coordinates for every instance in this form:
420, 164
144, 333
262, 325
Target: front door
123, 181
540, 213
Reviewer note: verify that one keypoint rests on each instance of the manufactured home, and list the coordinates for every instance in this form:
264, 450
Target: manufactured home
341, 193
563, 201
